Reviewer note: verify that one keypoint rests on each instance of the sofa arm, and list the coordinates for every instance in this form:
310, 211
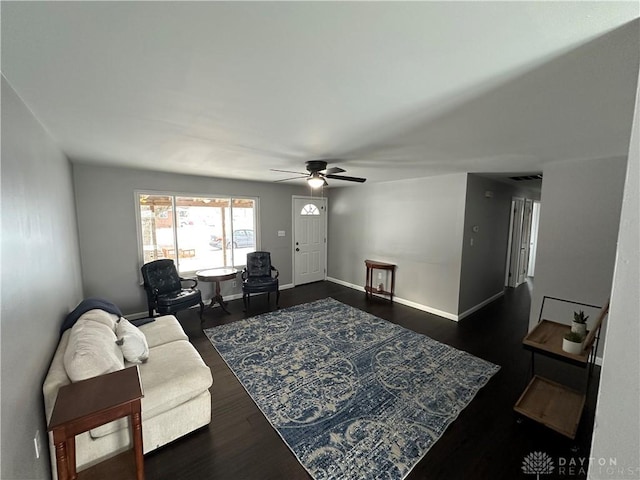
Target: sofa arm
56, 376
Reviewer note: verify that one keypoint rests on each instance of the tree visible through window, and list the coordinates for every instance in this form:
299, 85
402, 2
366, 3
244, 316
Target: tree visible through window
196, 232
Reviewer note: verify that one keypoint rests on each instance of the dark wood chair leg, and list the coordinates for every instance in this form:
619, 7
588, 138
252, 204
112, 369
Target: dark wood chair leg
201, 311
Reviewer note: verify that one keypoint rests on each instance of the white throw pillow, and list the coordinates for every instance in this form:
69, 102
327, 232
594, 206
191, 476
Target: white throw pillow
132, 342
91, 350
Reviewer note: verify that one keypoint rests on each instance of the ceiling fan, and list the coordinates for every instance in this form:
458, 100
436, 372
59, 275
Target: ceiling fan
318, 173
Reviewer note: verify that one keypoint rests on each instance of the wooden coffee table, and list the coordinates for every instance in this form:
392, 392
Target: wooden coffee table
90, 403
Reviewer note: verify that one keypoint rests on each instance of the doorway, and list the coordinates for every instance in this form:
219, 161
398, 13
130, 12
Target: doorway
519, 242
309, 239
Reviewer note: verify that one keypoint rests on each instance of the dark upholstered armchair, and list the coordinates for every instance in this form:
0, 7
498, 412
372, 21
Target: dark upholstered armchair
165, 293
259, 276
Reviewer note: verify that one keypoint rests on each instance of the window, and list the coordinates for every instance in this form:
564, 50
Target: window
310, 209
196, 232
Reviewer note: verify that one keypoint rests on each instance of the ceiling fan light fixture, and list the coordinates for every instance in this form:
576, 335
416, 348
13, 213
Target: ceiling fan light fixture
315, 181
318, 174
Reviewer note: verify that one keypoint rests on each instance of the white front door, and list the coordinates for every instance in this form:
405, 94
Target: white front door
309, 239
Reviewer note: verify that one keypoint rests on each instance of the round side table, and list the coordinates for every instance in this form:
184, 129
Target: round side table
217, 275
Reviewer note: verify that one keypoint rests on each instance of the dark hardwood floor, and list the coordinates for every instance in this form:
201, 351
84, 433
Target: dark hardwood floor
487, 441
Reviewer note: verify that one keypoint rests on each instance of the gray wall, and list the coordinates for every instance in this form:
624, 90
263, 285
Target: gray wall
617, 433
40, 278
484, 262
424, 226
577, 238
106, 207
579, 218
416, 224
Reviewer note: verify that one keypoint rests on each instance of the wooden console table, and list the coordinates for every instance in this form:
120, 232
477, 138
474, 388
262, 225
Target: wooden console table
90, 403
369, 289
550, 403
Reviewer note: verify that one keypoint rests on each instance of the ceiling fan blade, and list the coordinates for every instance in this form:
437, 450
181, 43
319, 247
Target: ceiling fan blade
332, 170
348, 179
289, 171
292, 178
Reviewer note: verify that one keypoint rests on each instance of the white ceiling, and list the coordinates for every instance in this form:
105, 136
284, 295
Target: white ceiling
389, 90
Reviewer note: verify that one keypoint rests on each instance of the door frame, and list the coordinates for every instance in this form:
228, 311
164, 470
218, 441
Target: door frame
525, 241
324, 200
519, 229
513, 247
535, 225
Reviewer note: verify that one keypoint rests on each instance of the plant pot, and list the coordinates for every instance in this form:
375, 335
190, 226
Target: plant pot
580, 328
571, 347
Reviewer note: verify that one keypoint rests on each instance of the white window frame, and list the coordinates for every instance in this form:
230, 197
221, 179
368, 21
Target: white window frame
173, 195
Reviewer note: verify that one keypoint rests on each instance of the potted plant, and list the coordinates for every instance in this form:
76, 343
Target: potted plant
579, 323
572, 343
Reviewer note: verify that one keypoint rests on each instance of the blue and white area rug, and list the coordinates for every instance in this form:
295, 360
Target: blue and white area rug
352, 395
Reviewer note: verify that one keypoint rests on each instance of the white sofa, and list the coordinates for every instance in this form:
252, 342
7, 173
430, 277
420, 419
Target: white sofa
175, 382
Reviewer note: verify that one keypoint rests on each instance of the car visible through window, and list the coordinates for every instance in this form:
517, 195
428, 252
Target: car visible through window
241, 239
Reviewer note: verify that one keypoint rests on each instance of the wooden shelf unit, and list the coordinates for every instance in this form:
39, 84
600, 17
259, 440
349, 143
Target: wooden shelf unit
550, 403
547, 337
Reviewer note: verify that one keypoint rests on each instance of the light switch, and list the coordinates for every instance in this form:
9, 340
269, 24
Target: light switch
281, 233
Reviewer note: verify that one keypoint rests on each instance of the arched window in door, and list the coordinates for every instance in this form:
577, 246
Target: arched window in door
310, 209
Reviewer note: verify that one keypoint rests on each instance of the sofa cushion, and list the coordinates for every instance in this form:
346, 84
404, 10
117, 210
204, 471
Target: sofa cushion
92, 349
101, 316
163, 330
131, 341
174, 374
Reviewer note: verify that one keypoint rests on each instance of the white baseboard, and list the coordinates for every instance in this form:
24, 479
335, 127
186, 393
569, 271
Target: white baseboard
426, 308
345, 284
403, 301
480, 305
